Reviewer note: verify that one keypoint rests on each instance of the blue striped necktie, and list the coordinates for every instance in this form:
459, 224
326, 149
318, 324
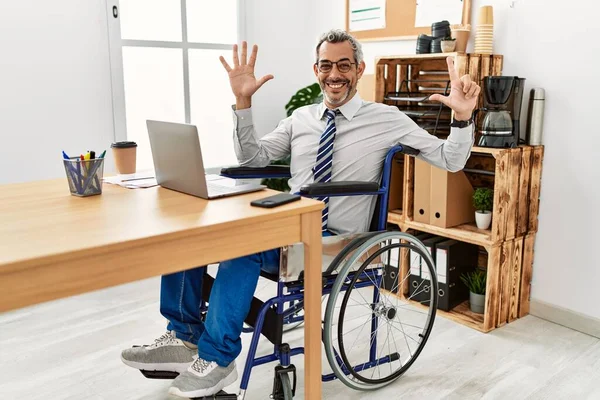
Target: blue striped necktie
322, 170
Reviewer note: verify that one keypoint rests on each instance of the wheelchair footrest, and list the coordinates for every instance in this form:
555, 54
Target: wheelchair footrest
220, 396
159, 374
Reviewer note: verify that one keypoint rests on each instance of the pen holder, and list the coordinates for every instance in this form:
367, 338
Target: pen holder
84, 176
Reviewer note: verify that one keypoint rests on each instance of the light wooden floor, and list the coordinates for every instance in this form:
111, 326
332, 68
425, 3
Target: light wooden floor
69, 349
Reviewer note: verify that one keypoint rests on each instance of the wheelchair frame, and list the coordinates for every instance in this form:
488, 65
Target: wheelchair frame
272, 312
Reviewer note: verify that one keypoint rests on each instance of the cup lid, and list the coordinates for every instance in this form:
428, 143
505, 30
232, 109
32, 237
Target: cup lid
123, 145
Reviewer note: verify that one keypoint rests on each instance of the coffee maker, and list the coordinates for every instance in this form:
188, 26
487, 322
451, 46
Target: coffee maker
502, 99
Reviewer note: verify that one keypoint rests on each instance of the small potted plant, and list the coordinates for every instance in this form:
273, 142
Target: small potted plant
448, 44
475, 281
483, 200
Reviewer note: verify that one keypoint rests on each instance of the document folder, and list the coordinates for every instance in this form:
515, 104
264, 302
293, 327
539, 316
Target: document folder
453, 258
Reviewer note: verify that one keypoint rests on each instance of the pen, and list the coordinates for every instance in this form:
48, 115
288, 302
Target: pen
103, 153
95, 165
65, 156
82, 162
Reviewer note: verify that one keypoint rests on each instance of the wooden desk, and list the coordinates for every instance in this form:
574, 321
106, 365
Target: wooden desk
54, 245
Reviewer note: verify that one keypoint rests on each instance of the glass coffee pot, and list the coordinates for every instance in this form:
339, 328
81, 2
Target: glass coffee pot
503, 96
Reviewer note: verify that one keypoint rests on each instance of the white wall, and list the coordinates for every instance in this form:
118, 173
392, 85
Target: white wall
552, 47
543, 44
54, 84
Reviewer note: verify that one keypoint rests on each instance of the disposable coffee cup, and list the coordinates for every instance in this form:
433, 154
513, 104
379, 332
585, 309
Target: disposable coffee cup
124, 154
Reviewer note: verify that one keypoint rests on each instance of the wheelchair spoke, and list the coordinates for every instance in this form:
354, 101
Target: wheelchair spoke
396, 346
402, 324
389, 343
377, 357
355, 305
401, 330
353, 329
415, 293
400, 283
363, 326
367, 302
363, 304
353, 318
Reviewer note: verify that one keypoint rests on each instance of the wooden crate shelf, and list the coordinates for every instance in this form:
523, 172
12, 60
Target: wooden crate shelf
425, 74
508, 243
461, 314
466, 233
515, 176
513, 173
508, 267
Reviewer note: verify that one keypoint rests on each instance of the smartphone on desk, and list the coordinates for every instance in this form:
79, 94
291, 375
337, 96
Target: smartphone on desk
275, 200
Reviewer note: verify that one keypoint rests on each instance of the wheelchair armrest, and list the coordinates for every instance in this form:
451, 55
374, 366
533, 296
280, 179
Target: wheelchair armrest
270, 171
408, 150
339, 188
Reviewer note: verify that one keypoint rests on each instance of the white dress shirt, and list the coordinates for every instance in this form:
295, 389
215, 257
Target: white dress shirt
365, 131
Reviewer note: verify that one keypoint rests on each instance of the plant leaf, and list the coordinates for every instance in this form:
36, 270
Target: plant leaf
308, 95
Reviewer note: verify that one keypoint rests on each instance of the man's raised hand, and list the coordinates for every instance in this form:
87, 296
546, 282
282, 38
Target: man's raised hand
241, 77
463, 94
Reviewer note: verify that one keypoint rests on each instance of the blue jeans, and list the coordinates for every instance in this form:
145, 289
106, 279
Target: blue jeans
219, 337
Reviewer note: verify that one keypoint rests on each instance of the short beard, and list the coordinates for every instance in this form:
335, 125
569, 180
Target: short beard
349, 90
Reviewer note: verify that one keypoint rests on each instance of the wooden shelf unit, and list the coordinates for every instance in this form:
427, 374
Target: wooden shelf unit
515, 176
509, 241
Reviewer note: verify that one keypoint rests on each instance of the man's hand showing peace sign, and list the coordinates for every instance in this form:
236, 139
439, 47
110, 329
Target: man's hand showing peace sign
241, 77
463, 94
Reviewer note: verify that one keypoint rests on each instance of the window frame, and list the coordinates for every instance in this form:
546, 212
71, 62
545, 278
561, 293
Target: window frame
116, 44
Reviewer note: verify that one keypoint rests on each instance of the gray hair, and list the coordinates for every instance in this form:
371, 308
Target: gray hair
340, 36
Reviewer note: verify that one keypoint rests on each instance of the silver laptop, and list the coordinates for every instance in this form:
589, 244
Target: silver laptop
178, 163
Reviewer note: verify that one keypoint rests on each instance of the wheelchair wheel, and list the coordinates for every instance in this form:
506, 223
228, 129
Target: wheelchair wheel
371, 335
286, 387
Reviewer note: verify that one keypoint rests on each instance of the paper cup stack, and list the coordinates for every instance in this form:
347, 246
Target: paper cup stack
484, 38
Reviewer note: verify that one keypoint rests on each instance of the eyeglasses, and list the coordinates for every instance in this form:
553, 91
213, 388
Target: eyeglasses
342, 65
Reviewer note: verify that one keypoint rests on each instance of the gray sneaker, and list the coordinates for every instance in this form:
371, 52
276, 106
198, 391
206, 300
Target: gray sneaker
203, 378
167, 353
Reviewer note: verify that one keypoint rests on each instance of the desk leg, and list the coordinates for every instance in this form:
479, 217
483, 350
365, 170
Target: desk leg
311, 237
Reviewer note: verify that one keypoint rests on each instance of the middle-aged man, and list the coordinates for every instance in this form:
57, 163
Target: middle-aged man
343, 138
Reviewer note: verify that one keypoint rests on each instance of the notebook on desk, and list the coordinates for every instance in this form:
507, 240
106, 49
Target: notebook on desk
178, 165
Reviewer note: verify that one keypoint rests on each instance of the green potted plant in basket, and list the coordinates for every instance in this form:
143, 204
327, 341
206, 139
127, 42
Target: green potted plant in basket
307, 95
483, 201
476, 281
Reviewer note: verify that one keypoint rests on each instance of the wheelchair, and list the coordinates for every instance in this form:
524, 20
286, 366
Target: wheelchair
371, 334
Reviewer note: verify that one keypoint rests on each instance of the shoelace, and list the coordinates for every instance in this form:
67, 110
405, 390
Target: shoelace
165, 339
201, 365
